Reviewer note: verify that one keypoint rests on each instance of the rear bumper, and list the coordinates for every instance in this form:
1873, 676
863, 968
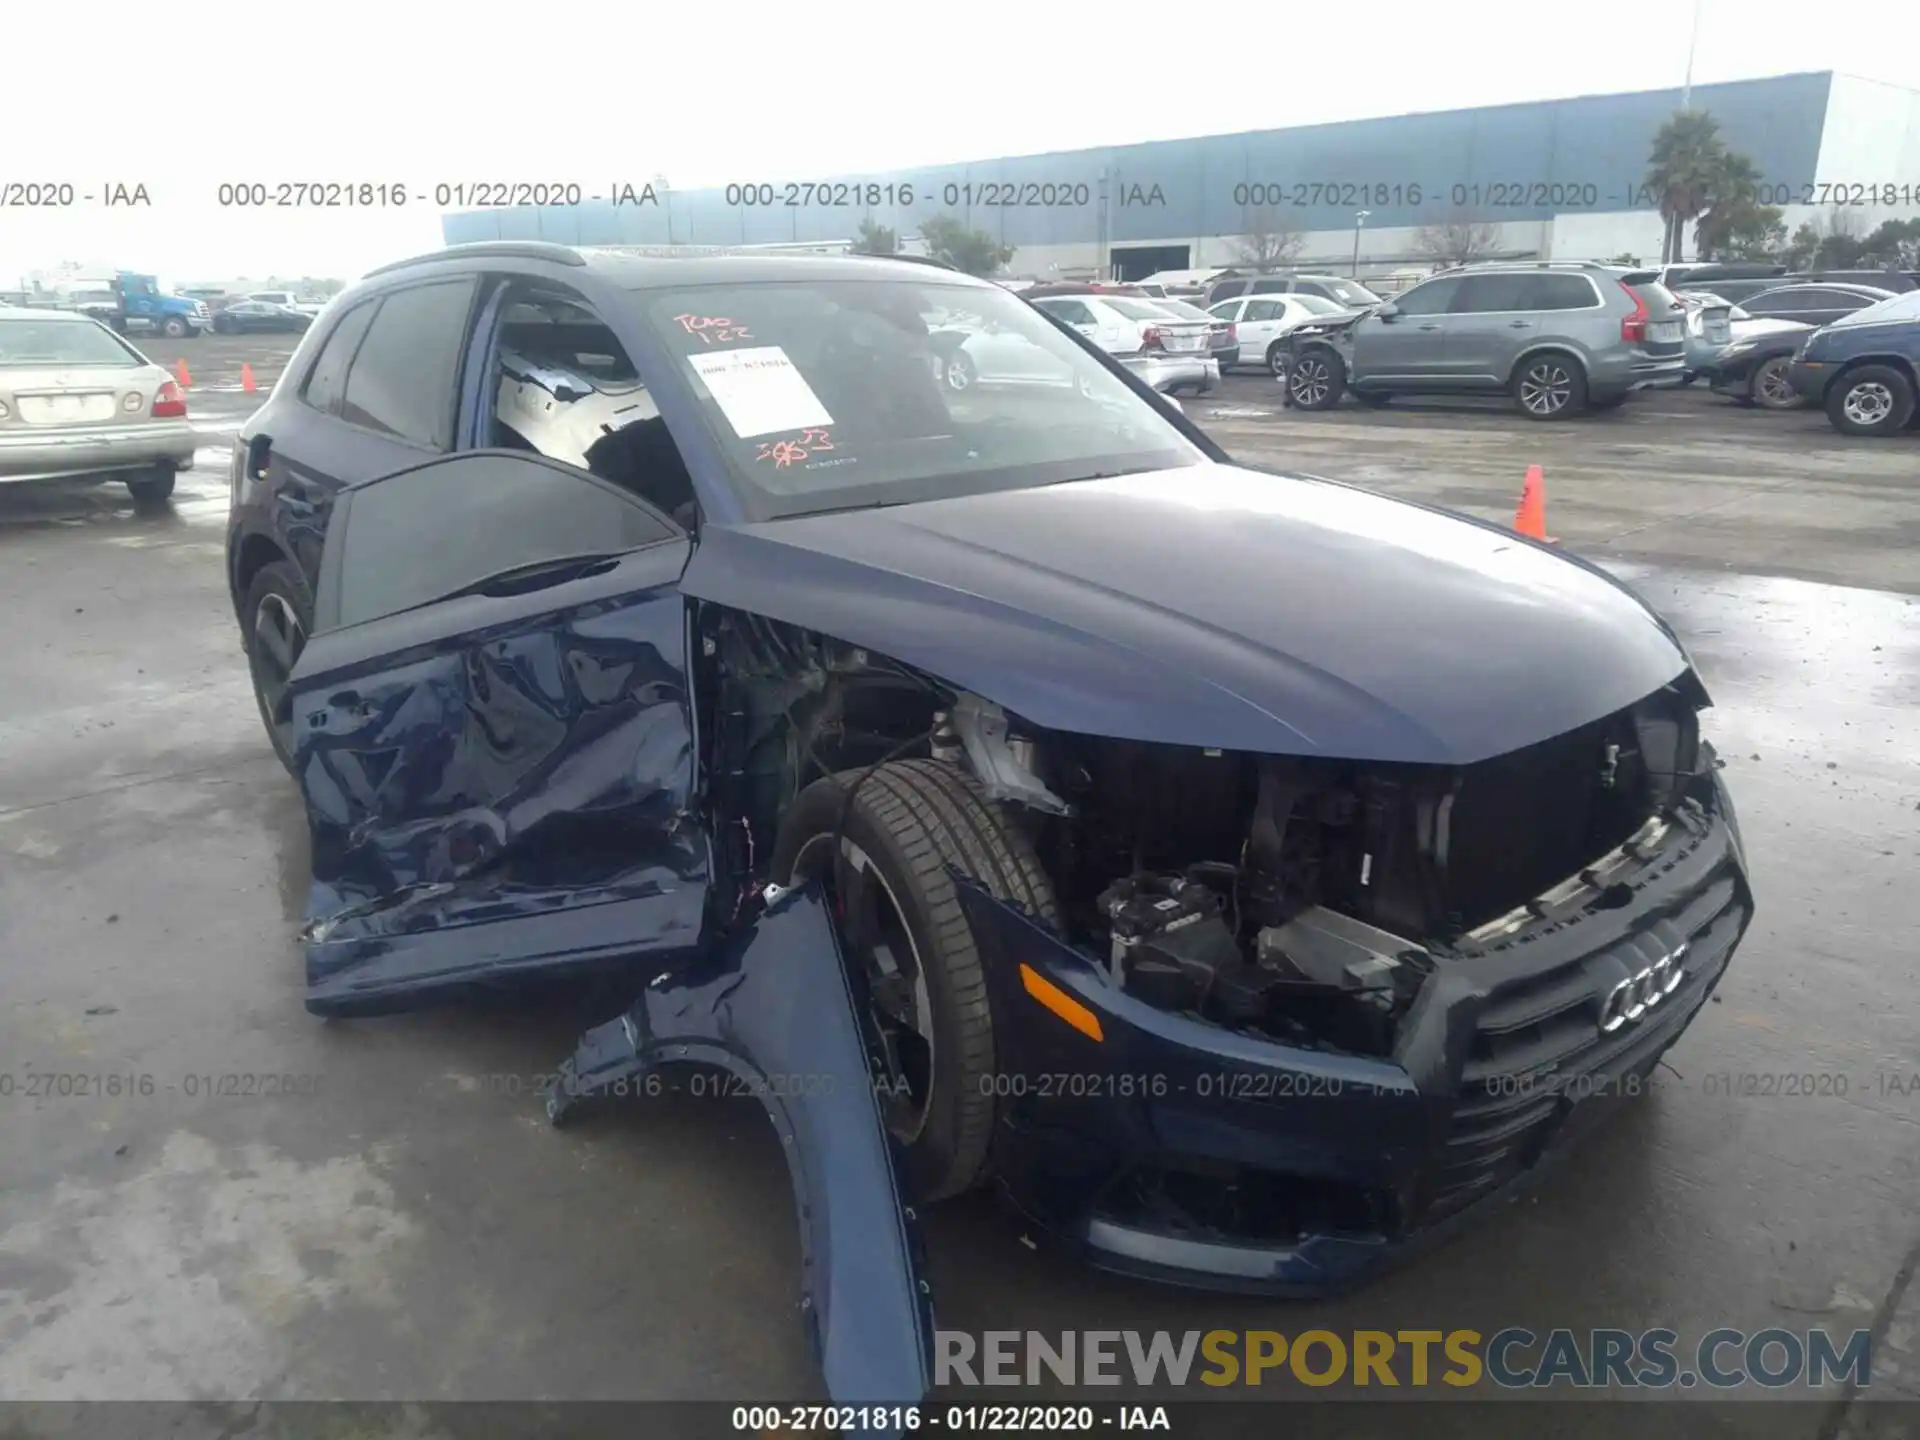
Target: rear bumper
57, 454
1650, 373
1163, 372
1186, 1152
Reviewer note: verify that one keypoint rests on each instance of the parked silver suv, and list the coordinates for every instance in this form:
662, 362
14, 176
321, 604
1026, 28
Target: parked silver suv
1560, 337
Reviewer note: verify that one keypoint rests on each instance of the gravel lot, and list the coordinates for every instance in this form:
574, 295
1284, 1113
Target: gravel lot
412, 1229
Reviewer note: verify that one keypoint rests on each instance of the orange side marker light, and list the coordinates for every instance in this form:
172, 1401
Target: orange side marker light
1061, 1003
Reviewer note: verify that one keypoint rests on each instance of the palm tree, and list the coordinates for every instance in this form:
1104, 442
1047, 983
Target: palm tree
1734, 225
1687, 159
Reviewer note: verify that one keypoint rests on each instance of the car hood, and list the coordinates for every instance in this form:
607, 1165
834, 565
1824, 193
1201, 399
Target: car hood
1216, 606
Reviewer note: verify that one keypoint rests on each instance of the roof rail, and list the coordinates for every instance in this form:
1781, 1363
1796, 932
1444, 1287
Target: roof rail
910, 259
498, 249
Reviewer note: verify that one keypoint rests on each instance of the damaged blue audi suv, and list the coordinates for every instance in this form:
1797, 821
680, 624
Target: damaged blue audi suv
1250, 876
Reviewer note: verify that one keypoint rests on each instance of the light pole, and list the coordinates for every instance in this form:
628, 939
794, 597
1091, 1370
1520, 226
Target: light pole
1693, 41
1359, 219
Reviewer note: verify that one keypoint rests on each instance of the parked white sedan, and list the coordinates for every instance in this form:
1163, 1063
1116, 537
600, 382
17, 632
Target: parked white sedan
1263, 322
1166, 352
76, 400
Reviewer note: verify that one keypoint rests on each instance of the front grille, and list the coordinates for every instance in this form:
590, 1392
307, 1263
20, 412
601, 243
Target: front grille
1539, 1055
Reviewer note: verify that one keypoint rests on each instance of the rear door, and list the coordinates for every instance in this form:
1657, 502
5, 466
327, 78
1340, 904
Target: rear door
493, 734
1486, 327
379, 395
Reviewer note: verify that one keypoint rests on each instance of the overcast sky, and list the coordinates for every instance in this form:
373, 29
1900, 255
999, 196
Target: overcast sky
597, 91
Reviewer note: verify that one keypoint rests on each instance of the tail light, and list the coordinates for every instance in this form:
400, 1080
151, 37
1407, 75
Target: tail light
1233, 333
1150, 339
1634, 327
169, 404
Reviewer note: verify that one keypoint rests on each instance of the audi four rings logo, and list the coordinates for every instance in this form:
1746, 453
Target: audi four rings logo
1637, 994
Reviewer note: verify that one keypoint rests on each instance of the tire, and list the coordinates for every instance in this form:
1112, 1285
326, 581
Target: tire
1768, 386
1277, 360
1550, 386
277, 594
174, 328
908, 822
1316, 379
153, 488
959, 373
1873, 401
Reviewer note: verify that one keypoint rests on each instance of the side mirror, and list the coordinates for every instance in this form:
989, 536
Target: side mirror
1387, 311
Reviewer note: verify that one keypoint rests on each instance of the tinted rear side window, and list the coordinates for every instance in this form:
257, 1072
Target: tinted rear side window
1483, 294
404, 378
329, 374
1559, 292
421, 535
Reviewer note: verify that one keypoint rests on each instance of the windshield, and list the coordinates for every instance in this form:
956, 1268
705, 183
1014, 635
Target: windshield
1894, 307
1180, 309
838, 394
1136, 309
1320, 305
60, 342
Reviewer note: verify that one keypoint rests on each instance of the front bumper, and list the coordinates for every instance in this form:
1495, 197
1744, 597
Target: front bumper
1183, 1151
1810, 379
1164, 372
97, 449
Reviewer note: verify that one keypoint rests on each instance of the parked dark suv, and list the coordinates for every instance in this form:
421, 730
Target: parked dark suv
1865, 369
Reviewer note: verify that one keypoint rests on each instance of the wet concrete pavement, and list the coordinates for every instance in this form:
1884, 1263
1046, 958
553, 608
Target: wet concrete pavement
264, 1205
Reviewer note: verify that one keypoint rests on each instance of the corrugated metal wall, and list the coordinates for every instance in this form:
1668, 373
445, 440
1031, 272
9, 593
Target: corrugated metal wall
1593, 149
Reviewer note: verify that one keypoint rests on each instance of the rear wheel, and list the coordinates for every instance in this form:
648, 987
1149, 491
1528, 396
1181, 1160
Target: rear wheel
903, 927
1277, 360
1771, 388
1874, 400
153, 488
1316, 379
278, 615
1550, 386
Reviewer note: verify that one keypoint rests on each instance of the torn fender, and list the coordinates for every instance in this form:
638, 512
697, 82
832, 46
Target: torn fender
776, 1007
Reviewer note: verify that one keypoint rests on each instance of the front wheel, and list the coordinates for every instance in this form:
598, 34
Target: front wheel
907, 937
960, 372
1316, 379
1550, 387
174, 328
1277, 360
1875, 400
1771, 388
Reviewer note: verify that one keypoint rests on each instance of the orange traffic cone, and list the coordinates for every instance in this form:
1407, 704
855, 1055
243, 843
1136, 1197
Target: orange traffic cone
246, 378
182, 374
1531, 518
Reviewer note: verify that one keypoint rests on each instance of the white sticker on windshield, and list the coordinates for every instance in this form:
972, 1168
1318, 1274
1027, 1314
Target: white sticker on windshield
760, 391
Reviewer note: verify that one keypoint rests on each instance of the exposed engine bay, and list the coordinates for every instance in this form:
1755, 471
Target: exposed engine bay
1301, 898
